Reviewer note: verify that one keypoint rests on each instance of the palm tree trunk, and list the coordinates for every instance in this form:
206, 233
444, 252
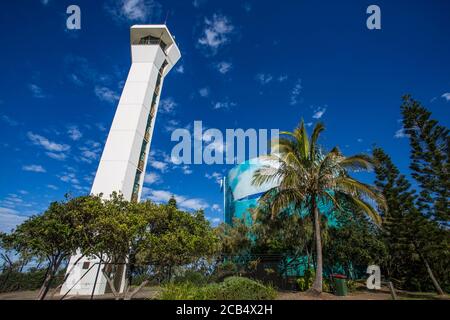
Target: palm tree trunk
317, 284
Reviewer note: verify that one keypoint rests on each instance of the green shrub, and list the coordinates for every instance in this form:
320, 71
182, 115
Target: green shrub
326, 285
232, 288
31, 280
184, 291
305, 282
351, 285
239, 288
225, 269
193, 277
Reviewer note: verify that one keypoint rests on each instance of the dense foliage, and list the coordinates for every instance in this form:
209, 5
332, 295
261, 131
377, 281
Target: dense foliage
154, 238
232, 288
416, 245
32, 279
412, 243
430, 153
307, 175
404, 231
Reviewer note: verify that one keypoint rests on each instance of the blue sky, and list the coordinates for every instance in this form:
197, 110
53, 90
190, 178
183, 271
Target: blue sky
245, 64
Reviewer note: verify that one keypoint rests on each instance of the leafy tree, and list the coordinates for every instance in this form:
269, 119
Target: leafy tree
55, 235
430, 146
234, 239
172, 202
409, 236
288, 235
115, 231
353, 244
307, 176
176, 238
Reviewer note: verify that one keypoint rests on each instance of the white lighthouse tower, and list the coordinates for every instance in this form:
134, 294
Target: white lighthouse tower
124, 159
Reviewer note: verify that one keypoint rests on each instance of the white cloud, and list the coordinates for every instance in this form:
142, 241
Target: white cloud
216, 207
74, 133
152, 178
34, 168
193, 204
179, 69
282, 78
90, 151
57, 156
171, 125
216, 220
446, 96
223, 105
48, 145
216, 176
295, 93
163, 196
51, 186
9, 219
204, 92
162, 166
223, 67
319, 112
11, 201
100, 126
9, 121
36, 91
359, 140
264, 78
198, 3
167, 105
186, 170
106, 94
217, 145
400, 133
93, 144
88, 154
76, 79
69, 177
215, 33
81, 72
134, 10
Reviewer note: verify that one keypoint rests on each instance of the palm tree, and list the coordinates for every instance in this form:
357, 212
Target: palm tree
306, 176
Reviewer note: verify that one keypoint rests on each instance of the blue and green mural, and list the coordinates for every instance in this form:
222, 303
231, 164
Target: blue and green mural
241, 196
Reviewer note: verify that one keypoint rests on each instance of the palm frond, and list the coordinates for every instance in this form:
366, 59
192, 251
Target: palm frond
368, 209
265, 174
333, 199
303, 140
280, 199
358, 162
355, 188
314, 138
